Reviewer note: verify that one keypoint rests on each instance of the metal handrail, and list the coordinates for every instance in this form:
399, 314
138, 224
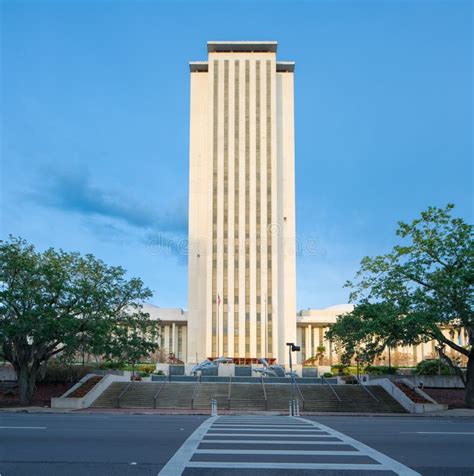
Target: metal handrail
300, 392
194, 391
122, 393
264, 393
230, 392
332, 389
366, 389
155, 398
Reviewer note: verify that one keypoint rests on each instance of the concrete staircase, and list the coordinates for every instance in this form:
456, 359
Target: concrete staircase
175, 395
139, 395
208, 391
353, 398
247, 396
109, 398
278, 395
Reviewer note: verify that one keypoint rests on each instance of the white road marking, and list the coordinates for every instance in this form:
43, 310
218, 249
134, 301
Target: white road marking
271, 435
245, 425
175, 466
278, 452
440, 432
336, 466
278, 442
23, 427
312, 430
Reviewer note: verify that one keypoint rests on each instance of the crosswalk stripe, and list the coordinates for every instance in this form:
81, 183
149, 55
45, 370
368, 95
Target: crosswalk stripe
312, 430
230, 425
272, 435
272, 442
276, 452
242, 465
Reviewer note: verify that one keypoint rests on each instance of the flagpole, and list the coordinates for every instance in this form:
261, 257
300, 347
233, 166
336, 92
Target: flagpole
217, 325
266, 328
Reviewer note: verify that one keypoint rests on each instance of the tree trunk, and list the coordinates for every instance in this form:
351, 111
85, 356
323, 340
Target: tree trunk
469, 397
26, 377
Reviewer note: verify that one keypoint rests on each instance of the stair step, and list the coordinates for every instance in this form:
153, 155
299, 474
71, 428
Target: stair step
248, 396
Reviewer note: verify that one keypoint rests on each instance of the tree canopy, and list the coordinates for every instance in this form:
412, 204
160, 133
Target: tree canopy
55, 302
409, 295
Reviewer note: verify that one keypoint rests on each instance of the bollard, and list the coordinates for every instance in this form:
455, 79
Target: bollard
294, 408
213, 407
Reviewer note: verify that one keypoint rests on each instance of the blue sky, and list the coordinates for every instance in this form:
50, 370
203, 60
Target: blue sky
95, 122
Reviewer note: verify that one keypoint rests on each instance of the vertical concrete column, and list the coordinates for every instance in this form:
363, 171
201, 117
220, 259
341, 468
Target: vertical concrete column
167, 339
327, 345
309, 342
185, 344
174, 345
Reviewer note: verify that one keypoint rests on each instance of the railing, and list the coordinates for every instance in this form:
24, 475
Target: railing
300, 392
122, 393
264, 393
366, 389
330, 386
195, 391
155, 397
230, 392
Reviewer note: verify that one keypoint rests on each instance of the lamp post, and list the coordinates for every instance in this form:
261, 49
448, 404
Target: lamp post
292, 348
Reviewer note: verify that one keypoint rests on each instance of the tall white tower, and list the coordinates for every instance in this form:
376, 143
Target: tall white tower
242, 282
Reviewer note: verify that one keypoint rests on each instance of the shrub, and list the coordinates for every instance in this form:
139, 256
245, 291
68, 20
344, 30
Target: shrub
112, 365
381, 370
327, 375
431, 367
148, 368
63, 373
158, 372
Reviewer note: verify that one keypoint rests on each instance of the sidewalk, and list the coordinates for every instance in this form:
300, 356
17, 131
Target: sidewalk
453, 413
33, 410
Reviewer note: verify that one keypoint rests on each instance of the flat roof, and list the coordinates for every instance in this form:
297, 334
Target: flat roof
244, 46
198, 66
285, 66
203, 66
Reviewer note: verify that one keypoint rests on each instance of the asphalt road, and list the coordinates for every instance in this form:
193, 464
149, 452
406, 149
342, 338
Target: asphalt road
431, 446
100, 444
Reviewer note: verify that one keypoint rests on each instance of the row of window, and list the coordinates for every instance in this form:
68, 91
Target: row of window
236, 188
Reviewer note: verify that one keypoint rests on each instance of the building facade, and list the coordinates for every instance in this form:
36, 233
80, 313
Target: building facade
241, 265
311, 327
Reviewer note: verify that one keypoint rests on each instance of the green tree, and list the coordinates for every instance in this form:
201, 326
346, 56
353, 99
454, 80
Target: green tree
409, 295
55, 303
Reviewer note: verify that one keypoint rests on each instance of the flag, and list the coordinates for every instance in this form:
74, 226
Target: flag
218, 300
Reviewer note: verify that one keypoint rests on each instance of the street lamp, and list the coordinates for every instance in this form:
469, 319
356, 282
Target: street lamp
292, 348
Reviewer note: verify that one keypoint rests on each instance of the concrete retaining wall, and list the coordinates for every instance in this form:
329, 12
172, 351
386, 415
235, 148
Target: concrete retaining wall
404, 400
435, 381
86, 401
